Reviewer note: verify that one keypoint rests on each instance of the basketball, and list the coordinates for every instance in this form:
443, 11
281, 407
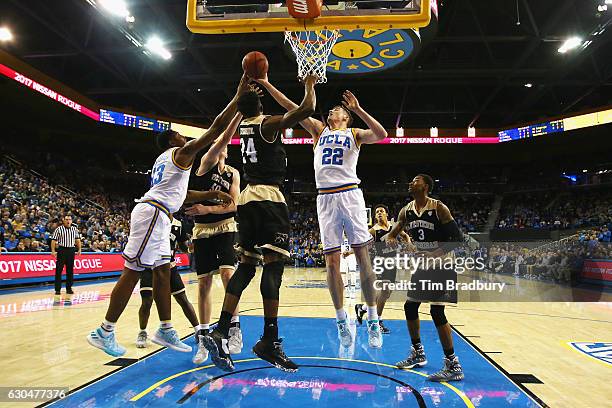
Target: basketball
255, 64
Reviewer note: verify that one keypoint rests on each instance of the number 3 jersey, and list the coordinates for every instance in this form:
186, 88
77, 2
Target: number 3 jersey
423, 226
264, 162
169, 182
335, 158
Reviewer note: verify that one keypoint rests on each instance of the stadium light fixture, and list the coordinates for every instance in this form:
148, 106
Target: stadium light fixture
570, 44
608, 1
5, 34
528, 85
156, 46
433, 132
116, 7
602, 7
399, 132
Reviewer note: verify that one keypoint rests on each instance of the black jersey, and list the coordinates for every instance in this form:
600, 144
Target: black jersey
381, 246
214, 180
177, 235
264, 162
380, 232
423, 226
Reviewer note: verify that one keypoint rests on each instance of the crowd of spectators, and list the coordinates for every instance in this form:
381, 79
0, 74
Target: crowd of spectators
559, 261
31, 208
556, 209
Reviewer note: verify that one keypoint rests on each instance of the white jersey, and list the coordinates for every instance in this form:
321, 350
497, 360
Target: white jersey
169, 182
335, 158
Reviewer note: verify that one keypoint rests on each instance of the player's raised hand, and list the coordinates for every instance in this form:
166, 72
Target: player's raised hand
256, 89
243, 85
263, 80
350, 101
310, 80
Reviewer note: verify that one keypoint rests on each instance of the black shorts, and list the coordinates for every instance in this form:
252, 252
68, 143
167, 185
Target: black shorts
264, 225
214, 252
146, 282
432, 286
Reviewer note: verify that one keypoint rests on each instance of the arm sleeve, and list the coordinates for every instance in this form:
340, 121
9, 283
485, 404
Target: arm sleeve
452, 236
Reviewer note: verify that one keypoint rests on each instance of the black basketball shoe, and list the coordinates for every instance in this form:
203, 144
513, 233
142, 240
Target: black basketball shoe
217, 346
384, 329
359, 313
272, 352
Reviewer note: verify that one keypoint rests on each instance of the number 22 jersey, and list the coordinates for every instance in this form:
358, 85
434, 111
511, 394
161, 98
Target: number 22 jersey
335, 158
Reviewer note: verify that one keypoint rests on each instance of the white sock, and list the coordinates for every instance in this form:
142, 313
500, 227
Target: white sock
165, 325
372, 314
203, 326
107, 328
235, 319
341, 314
364, 307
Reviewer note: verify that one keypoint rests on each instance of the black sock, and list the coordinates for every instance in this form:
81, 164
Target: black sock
270, 328
235, 324
224, 323
416, 343
449, 353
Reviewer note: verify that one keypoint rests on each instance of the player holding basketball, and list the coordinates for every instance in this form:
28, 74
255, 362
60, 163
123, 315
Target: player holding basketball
381, 249
150, 224
264, 224
214, 235
434, 232
340, 204
178, 238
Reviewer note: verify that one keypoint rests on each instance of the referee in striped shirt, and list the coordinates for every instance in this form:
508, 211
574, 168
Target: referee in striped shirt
63, 242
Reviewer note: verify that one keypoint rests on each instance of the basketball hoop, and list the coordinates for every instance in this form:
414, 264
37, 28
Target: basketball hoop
312, 49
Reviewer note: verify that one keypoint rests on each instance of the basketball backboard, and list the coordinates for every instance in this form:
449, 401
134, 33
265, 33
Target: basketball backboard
248, 16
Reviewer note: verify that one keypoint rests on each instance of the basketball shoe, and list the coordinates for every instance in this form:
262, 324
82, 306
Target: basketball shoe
272, 352
415, 359
217, 346
451, 371
107, 344
169, 338
375, 339
141, 340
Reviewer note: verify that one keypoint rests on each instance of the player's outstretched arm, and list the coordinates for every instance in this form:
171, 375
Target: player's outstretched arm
211, 158
186, 154
226, 207
294, 116
312, 126
375, 132
398, 228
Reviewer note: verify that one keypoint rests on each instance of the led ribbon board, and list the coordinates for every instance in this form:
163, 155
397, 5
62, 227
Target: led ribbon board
134, 121
48, 92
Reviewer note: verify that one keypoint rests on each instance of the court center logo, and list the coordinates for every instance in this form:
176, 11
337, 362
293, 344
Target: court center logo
369, 51
599, 351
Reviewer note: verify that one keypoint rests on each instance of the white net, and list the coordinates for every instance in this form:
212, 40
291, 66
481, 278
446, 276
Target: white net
311, 49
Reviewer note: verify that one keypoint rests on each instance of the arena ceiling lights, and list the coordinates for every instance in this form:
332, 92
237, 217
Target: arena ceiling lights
5, 34
154, 46
570, 44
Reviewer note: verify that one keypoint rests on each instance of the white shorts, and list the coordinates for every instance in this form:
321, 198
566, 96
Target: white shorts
149, 241
339, 213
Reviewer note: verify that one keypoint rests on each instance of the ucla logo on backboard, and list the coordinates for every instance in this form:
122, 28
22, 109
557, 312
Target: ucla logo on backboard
367, 51
599, 351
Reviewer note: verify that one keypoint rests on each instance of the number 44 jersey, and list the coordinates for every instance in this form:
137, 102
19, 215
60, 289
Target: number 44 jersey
335, 158
264, 161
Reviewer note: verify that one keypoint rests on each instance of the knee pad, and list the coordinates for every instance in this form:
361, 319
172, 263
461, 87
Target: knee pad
271, 280
438, 316
411, 310
241, 279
